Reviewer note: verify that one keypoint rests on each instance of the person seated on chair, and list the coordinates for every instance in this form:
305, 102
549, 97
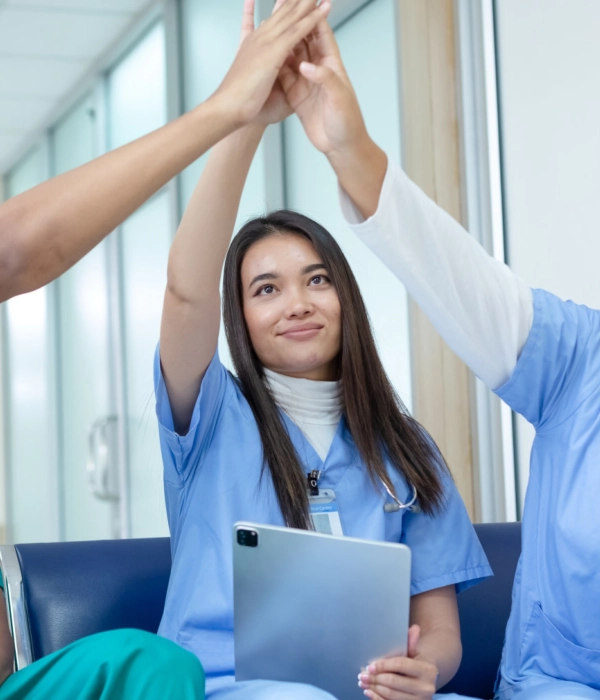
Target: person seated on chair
310, 396
539, 354
48, 229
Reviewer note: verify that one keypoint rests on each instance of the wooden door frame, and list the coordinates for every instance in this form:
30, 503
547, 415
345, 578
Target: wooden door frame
442, 384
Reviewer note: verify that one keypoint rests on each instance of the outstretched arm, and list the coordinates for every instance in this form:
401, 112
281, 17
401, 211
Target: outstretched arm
49, 228
192, 306
483, 311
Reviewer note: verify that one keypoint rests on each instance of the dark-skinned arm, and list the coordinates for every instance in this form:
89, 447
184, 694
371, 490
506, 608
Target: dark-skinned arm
47, 229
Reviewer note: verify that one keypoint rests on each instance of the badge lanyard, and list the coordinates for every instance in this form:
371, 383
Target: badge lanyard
324, 511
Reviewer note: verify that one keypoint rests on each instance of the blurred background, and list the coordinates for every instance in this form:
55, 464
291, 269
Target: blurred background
493, 109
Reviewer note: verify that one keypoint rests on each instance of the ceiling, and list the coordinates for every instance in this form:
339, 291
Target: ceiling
47, 47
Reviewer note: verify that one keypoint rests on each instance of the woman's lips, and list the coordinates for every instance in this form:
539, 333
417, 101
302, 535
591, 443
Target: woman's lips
304, 332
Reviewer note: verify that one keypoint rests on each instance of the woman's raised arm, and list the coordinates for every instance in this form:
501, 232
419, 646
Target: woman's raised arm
192, 306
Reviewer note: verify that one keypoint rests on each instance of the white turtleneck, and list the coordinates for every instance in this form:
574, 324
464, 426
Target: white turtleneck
314, 406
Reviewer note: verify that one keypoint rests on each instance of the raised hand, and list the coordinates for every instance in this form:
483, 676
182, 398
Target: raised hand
318, 89
276, 108
249, 82
401, 677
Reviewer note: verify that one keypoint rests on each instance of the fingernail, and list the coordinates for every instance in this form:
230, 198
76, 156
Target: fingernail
368, 693
371, 668
363, 677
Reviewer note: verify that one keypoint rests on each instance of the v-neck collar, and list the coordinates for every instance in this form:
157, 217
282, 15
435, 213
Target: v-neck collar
332, 468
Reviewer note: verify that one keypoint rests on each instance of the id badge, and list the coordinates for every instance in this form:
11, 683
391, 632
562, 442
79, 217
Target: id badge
324, 513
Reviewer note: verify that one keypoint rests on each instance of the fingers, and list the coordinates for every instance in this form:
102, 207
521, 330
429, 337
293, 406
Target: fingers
381, 693
383, 683
319, 75
399, 677
291, 11
292, 21
287, 78
414, 634
324, 40
247, 19
301, 53
303, 23
396, 664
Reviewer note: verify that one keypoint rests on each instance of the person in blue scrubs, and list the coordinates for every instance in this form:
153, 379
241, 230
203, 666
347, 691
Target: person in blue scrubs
310, 396
539, 354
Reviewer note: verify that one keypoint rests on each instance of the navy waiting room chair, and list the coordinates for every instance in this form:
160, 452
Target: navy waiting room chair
57, 593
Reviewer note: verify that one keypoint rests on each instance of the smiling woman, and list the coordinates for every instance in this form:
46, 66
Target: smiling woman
281, 316
310, 406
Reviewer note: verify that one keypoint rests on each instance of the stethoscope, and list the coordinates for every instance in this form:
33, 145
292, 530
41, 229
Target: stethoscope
398, 505
313, 490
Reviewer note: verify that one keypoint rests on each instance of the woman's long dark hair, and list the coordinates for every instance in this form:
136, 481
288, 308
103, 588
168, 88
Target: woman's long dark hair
376, 417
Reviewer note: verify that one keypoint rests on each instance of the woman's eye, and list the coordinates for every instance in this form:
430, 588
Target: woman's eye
320, 279
267, 289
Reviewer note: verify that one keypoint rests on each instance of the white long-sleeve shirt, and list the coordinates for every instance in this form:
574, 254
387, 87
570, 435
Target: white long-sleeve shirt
477, 304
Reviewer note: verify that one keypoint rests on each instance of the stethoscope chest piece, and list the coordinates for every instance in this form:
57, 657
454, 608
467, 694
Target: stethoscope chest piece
397, 504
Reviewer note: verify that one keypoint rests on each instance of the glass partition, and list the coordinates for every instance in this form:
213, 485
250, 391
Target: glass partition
32, 484
137, 104
84, 369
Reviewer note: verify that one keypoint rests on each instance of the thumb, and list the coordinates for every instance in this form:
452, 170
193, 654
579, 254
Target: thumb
320, 75
414, 633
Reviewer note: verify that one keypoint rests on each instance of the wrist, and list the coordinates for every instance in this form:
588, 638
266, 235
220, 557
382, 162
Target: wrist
361, 171
356, 152
229, 112
231, 128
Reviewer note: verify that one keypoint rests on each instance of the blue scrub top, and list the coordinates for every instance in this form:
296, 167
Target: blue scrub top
212, 479
554, 626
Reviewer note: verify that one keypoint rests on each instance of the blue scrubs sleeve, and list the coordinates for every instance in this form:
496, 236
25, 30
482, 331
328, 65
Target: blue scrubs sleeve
181, 453
559, 365
445, 547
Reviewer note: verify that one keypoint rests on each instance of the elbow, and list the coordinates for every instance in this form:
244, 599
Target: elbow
23, 257
177, 292
190, 293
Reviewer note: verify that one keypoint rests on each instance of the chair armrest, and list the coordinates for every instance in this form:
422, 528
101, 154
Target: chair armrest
15, 606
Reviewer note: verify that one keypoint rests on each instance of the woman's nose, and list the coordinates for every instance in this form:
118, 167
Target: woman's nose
298, 305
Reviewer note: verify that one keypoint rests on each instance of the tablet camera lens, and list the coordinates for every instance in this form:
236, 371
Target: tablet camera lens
247, 538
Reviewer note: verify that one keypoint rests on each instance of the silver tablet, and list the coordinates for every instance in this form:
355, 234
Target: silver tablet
313, 608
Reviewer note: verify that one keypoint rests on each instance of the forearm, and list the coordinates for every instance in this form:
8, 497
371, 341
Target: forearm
48, 228
360, 169
482, 310
202, 239
443, 648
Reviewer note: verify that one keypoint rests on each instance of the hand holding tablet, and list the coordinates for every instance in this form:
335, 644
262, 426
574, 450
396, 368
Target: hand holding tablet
308, 609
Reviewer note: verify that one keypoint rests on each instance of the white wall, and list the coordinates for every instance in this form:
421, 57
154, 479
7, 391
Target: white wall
549, 55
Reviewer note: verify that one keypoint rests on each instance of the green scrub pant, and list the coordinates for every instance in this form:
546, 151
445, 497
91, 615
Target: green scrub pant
118, 665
